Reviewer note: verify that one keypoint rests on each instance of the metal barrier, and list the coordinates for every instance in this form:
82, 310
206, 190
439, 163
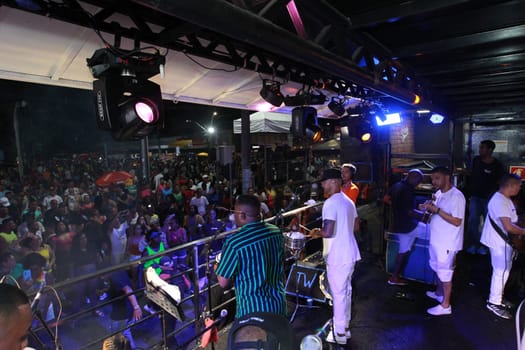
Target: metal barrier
200, 310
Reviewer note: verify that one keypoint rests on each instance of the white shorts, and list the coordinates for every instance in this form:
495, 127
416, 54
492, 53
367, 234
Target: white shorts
406, 240
442, 261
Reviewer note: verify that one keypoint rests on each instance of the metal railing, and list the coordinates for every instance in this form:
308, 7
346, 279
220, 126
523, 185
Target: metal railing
198, 248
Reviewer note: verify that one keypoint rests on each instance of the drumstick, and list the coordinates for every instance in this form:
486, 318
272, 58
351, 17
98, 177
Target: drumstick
305, 228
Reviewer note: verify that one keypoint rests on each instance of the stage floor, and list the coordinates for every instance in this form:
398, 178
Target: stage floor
384, 317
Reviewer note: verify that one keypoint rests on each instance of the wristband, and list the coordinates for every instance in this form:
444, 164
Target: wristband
136, 307
439, 209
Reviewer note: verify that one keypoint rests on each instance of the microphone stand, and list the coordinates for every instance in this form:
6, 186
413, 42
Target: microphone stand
207, 251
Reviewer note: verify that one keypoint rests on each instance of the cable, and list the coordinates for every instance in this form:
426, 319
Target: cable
57, 344
117, 50
210, 68
12, 278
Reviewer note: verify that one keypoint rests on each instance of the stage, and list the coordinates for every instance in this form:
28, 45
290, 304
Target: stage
384, 317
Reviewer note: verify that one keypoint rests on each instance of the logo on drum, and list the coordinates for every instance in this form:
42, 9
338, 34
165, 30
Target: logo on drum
306, 283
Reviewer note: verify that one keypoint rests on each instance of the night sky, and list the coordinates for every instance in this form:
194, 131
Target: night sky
58, 120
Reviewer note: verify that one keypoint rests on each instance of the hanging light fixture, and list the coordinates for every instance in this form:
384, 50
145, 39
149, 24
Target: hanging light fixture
336, 105
271, 92
305, 124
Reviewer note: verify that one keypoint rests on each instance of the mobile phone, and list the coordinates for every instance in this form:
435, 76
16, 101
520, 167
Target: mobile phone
27, 275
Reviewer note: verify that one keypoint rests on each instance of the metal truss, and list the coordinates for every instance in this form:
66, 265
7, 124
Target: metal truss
335, 59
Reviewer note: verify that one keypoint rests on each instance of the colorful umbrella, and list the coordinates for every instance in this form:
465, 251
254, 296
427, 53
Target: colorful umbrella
115, 177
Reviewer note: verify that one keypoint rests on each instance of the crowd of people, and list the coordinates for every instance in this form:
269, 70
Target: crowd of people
57, 223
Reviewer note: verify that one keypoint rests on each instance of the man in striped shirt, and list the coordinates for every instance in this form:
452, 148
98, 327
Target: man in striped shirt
253, 258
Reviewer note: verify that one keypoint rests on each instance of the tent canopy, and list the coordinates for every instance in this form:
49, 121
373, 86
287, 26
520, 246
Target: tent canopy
266, 122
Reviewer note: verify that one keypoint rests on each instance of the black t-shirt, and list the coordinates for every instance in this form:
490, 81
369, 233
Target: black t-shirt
484, 178
402, 194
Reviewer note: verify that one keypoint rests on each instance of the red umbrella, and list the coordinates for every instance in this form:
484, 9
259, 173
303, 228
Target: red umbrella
114, 177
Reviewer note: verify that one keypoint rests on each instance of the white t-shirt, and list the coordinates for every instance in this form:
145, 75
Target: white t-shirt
499, 207
201, 203
342, 247
444, 235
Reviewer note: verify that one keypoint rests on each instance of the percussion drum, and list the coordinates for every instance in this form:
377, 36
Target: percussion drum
294, 241
324, 286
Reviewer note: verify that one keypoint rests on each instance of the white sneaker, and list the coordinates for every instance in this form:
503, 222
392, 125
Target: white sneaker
439, 310
433, 295
332, 337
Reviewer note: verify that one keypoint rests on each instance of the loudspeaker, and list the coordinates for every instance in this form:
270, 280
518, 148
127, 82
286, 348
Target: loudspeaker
303, 281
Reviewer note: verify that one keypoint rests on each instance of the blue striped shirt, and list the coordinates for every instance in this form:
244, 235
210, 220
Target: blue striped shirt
254, 258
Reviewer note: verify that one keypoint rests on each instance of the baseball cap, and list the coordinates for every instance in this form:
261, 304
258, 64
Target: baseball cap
279, 333
332, 173
417, 171
4, 202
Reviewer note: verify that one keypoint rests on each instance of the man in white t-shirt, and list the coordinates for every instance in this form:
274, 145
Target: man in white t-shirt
446, 236
503, 213
340, 251
200, 202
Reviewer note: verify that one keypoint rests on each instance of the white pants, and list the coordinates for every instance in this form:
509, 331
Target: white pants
501, 259
340, 281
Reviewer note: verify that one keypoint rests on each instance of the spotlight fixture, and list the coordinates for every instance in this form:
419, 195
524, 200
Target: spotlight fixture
129, 107
271, 92
305, 124
305, 98
436, 118
126, 102
358, 110
363, 130
336, 105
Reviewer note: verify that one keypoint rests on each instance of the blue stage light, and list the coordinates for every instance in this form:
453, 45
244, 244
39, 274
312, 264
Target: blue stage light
392, 118
437, 118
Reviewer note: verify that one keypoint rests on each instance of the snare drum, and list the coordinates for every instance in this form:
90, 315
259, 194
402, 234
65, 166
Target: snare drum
294, 240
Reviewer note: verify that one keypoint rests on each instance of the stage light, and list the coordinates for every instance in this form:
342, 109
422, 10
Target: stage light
417, 99
299, 99
436, 118
366, 136
305, 124
336, 105
364, 131
304, 98
271, 92
128, 106
358, 110
126, 102
392, 118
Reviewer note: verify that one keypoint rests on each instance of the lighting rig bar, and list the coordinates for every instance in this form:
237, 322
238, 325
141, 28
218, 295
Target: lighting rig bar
183, 27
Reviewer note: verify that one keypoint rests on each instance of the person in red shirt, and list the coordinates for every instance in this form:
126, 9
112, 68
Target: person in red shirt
349, 188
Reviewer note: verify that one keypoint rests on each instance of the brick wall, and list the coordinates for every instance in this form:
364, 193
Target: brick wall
402, 139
